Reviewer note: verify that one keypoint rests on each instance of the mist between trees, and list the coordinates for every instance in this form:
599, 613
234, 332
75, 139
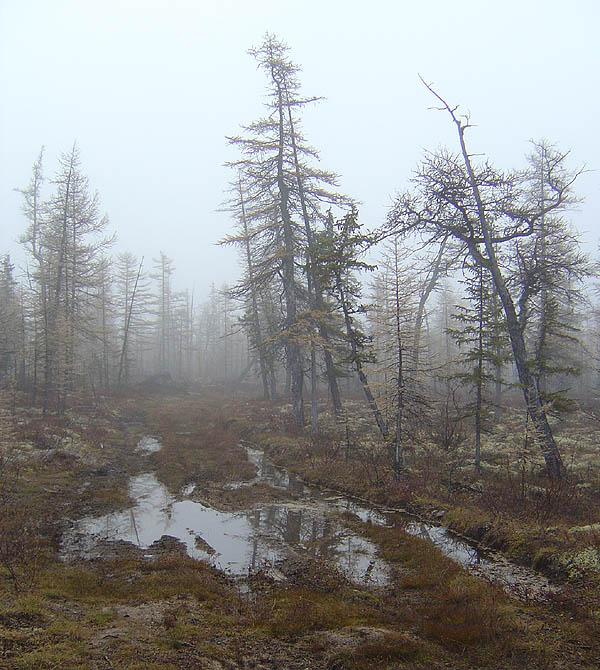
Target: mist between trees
480, 296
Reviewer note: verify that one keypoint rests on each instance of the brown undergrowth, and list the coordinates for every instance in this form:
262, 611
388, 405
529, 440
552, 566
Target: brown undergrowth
173, 612
509, 505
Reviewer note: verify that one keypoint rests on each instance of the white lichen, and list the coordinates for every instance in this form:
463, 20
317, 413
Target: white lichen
584, 562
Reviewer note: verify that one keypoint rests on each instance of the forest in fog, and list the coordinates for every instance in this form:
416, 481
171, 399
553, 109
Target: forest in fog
473, 295
375, 446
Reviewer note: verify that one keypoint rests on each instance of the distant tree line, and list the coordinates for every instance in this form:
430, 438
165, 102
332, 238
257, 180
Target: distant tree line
79, 319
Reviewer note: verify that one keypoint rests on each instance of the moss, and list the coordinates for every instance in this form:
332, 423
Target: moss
582, 563
101, 617
378, 651
472, 523
297, 610
466, 613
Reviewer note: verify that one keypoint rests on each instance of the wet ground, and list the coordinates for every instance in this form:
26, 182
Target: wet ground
240, 543
306, 523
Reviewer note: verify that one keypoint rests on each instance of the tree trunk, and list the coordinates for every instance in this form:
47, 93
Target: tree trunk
398, 442
123, 357
479, 377
293, 350
534, 403
355, 348
315, 293
429, 286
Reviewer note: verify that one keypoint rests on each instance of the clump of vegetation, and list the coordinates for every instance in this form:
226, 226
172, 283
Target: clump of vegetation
22, 548
583, 563
379, 650
200, 443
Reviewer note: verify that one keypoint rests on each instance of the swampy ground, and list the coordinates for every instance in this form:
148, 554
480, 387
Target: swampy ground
125, 610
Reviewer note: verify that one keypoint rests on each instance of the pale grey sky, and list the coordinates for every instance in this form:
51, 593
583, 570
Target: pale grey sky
150, 89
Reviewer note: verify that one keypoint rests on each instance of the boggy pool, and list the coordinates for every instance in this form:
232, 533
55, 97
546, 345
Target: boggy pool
239, 543
242, 543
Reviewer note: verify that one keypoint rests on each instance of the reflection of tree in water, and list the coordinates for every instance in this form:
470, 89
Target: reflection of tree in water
305, 529
439, 538
320, 537
272, 474
254, 518
325, 539
295, 486
253, 559
278, 477
293, 527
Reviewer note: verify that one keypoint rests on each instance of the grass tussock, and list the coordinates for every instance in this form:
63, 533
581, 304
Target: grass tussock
387, 649
466, 613
300, 610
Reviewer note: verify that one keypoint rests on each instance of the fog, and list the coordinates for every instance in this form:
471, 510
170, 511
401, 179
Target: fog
149, 91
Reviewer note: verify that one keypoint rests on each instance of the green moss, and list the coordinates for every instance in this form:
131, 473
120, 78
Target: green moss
101, 617
545, 557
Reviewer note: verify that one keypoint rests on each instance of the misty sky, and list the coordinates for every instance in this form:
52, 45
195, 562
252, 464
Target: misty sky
149, 90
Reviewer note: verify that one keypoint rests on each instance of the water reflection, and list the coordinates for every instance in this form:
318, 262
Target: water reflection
272, 475
521, 581
235, 542
248, 541
457, 550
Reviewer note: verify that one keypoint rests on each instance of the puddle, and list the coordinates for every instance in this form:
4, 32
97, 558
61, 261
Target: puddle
238, 543
518, 580
521, 581
245, 542
271, 474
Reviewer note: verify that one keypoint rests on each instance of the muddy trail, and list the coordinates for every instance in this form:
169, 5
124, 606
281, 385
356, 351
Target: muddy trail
185, 546
240, 543
306, 523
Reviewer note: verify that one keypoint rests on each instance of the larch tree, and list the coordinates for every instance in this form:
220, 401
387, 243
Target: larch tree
338, 252
256, 279
10, 310
481, 343
551, 269
164, 305
397, 294
37, 281
132, 296
66, 239
484, 210
284, 196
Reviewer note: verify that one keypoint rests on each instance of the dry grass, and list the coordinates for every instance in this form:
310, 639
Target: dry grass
200, 443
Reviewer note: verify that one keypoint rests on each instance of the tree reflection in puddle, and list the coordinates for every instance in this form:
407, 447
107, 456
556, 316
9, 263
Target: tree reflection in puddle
237, 542
311, 525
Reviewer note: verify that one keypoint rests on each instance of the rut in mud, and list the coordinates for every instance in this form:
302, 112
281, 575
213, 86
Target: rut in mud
308, 524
